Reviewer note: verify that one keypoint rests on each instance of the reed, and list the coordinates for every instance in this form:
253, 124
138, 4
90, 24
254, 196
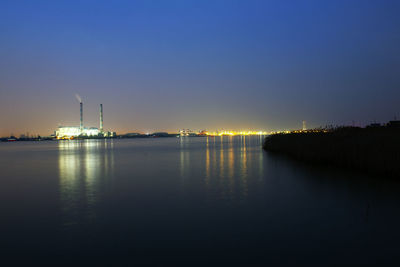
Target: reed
375, 150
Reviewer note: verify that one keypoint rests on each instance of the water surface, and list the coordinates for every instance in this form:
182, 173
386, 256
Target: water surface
205, 201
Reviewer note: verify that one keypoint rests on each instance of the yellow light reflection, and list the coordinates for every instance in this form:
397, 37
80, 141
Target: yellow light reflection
82, 166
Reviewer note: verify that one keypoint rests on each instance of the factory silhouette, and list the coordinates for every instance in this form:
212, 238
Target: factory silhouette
73, 132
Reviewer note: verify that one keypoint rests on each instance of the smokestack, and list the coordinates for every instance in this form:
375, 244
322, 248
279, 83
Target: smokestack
81, 106
81, 125
101, 118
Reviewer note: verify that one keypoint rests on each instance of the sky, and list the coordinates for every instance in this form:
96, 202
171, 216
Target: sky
167, 65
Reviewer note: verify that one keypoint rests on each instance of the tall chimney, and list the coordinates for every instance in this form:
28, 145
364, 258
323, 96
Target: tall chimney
101, 118
81, 125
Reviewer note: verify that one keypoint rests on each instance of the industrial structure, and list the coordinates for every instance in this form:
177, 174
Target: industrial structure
304, 126
71, 132
186, 132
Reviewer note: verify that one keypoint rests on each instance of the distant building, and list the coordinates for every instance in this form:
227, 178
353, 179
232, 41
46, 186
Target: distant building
187, 132
203, 133
393, 124
70, 132
109, 134
75, 131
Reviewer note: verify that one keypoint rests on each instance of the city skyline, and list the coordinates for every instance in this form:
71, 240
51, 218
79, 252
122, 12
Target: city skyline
164, 66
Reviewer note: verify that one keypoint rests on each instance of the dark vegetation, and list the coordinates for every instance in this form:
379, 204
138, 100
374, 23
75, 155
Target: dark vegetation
13, 138
375, 150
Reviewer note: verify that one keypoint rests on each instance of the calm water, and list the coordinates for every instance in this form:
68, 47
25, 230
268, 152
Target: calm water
205, 201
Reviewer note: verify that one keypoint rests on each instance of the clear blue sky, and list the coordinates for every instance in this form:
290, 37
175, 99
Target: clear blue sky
165, 65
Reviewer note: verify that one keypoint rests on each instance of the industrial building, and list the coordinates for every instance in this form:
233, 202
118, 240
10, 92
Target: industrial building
71, 132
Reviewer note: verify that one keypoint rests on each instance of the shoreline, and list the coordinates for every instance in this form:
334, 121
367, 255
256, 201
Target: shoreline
371, 150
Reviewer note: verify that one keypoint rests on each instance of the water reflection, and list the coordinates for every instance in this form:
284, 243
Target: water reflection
226, 164
207, 177
184, 158
132, 199
230, 163
85, 170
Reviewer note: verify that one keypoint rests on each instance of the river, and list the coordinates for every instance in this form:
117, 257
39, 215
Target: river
188, 201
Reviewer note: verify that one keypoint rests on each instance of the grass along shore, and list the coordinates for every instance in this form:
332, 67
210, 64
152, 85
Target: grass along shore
375, 150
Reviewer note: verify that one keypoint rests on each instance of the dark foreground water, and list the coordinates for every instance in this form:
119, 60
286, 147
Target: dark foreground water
190, 201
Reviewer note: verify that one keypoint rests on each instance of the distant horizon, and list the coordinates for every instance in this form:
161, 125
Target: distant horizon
93, 123
155, 130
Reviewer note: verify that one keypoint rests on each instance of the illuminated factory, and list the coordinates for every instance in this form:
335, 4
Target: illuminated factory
71, 132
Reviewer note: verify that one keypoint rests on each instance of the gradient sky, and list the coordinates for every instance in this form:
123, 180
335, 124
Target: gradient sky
165, 65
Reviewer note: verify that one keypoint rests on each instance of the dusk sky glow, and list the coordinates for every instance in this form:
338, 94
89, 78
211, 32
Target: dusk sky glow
166, 65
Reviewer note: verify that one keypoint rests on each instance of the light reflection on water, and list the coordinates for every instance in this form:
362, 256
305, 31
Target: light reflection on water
218, 166
208, 198
85, 168
225, 164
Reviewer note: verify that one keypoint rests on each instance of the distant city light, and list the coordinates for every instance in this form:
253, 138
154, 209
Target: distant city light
188, 132
234, 133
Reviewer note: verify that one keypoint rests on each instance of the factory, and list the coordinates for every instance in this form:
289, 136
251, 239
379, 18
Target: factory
71, 132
